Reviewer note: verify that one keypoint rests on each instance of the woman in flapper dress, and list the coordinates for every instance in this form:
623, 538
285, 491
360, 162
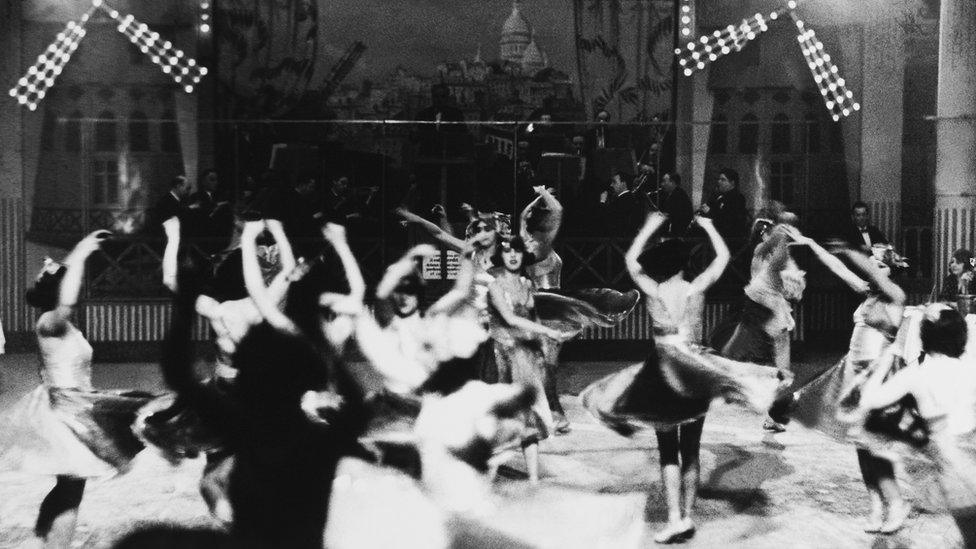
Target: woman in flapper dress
671, 391
567, 311
819, 404
65, 427
944, 388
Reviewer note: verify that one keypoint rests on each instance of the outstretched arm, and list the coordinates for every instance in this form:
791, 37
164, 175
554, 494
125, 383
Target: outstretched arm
884, 284
336, 236
442, 221
646, 284
449, 240
714, 271
497, 297
254, 282
835, 265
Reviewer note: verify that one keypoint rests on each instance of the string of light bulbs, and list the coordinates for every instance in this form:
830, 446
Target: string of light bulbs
33, 86
697, 54
40, 77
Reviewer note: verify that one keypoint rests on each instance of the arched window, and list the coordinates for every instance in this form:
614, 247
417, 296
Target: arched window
749, 134
106, 137
138, 132
72, 132
48, 130
780, 136
811, 134
719, 137
169, 133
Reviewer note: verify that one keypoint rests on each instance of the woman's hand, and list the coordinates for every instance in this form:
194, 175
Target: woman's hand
93, 241
333, 232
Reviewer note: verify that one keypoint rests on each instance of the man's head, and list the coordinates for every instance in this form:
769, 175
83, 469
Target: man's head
728, 179
670, 182
619, 183
860, 214
340, 185
306, 187
180, 186
208, 180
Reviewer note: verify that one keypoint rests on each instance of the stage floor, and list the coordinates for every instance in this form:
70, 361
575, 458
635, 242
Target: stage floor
794, 489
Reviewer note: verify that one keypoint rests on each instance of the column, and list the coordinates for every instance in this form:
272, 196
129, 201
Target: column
955, 169
882, 120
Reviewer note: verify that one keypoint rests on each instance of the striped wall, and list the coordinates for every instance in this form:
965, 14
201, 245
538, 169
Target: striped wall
886, 215
954, 228
14, 313
130, 322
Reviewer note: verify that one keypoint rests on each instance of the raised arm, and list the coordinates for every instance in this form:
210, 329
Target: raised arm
171, 253
835, 265
714, 271
449, 240
442, 221
497, 297
336, 236
884, 284
543, 238
254, 282
449, 302
646, 284
402, 268
71, 283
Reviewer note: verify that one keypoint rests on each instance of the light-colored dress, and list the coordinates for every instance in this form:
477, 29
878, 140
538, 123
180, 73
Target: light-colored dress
679, 379
64, 426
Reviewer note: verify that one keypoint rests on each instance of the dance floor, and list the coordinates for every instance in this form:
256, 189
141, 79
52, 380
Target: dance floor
598, 490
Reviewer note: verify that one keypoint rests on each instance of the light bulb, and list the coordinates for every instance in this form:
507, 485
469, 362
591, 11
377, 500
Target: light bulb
188, 89
204, 28
13, 92
688, 72
856, 106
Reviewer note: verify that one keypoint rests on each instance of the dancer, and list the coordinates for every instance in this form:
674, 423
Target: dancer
518, 350
944, 388
671, 391
762, 333
65, 427
819, 404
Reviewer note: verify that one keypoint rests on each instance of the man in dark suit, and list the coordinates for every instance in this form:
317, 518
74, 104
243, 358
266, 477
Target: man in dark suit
727, 208
621, 211
172, 204
675, 203
861, 234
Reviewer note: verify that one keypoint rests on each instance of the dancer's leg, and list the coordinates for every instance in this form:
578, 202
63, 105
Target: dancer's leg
898, 508
531, 453
870, 475
668, 448
59, 512
689, 440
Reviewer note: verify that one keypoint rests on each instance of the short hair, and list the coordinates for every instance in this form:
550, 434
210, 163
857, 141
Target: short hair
859, 204
623, 177
963, 257
177, 181
731, 175
46, 291
673, 176
665, 259
514, 243
944, 332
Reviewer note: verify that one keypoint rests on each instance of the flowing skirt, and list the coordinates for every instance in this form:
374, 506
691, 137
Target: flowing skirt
571, 312
176, 429
676, 385
744, 336
521, 362
955, 459
84, 434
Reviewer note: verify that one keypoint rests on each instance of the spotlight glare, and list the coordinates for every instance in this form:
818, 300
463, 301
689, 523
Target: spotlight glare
188, 89
204, 28
856, 106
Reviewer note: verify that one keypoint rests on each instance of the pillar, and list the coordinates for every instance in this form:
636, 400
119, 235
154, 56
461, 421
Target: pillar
955, 169
882, 121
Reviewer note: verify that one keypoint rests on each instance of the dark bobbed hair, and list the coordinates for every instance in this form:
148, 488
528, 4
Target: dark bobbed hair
731, 175
963, 256
945, 334
44, 294
515, 243
665, 259
412, 284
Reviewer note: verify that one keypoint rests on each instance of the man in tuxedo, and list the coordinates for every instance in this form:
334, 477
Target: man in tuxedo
727, 208
173, 203
675, 203
621, 211
861, 234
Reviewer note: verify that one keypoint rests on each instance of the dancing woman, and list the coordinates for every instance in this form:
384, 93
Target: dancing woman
876, 322
944, 387
671, 391
65, 427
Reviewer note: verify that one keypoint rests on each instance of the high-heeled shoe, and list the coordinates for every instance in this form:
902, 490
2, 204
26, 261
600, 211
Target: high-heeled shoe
875, 520
897, 514
674, 533
689, 527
